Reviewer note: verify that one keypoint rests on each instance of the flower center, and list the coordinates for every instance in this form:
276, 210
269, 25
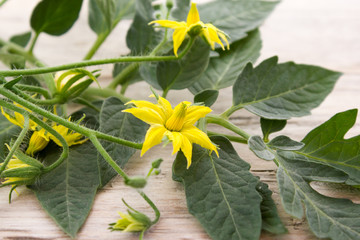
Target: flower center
177, 119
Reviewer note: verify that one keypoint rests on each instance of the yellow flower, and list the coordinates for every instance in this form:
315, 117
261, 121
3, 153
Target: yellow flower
193, 27
176, 124
18, 119
132, 222
71, 137
19, 172
38, 141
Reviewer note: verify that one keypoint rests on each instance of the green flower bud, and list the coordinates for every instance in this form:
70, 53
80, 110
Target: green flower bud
136, 182
157, 163
131, 222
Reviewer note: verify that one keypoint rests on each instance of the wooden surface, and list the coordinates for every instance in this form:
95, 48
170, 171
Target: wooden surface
322, 32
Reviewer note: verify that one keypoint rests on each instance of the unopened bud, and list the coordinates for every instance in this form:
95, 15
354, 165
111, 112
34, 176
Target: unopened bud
136, 182
157, 163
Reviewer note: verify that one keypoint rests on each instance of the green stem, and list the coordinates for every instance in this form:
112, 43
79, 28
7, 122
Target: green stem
33, 42
123, 75
86, 103
76, 127
107, 157
99, 40
105, 93
230, 137
2, 2
34, 89
230, 111
153, 206
17, 143
141, 236
53, 101
165, 93
42, 70
226, 124
103, 36
65, 146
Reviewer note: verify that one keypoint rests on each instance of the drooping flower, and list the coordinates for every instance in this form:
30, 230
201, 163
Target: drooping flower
71, 137
176, 124
131, 222
38, 141
20, 170
18, 119
193, 27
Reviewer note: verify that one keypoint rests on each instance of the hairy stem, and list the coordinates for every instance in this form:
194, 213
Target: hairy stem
226, 124
17, 143
33, 42
153, 206
230, 111
76, 127
230, 137
107, 157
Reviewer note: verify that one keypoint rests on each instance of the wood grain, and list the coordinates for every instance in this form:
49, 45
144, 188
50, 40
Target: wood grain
322, 32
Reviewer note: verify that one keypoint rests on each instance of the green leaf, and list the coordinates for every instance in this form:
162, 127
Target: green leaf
221, 192
105, 14
21, 39
269, 126
208, 97
184, 72
180, 9
55, 17
13, 61
236, 17
259, 148
328, 217
282, 91
326, 145
67, 192
285, 143
141, 37
91, 117
223, 71
8, 131
271, 221
124, 125
132, 78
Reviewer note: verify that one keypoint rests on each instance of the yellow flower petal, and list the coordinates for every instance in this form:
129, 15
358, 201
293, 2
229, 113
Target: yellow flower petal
197, 136
153, 137
176, 139
194, 113
178, 37
224, 38
186, 148
37, 142
146, 104
146, 114
213, 32
169, 23
166, 107
193, 15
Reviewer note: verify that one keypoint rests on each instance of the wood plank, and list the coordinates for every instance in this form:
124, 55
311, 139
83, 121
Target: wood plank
322, 32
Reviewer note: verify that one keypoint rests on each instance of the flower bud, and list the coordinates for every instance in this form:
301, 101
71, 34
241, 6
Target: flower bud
156, 163
21, 170
136, 182
131, 222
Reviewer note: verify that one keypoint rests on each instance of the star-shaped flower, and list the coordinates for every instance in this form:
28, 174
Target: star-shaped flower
193, 27
176, 124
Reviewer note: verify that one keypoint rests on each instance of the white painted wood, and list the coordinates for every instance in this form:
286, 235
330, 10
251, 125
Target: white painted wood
322, 32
